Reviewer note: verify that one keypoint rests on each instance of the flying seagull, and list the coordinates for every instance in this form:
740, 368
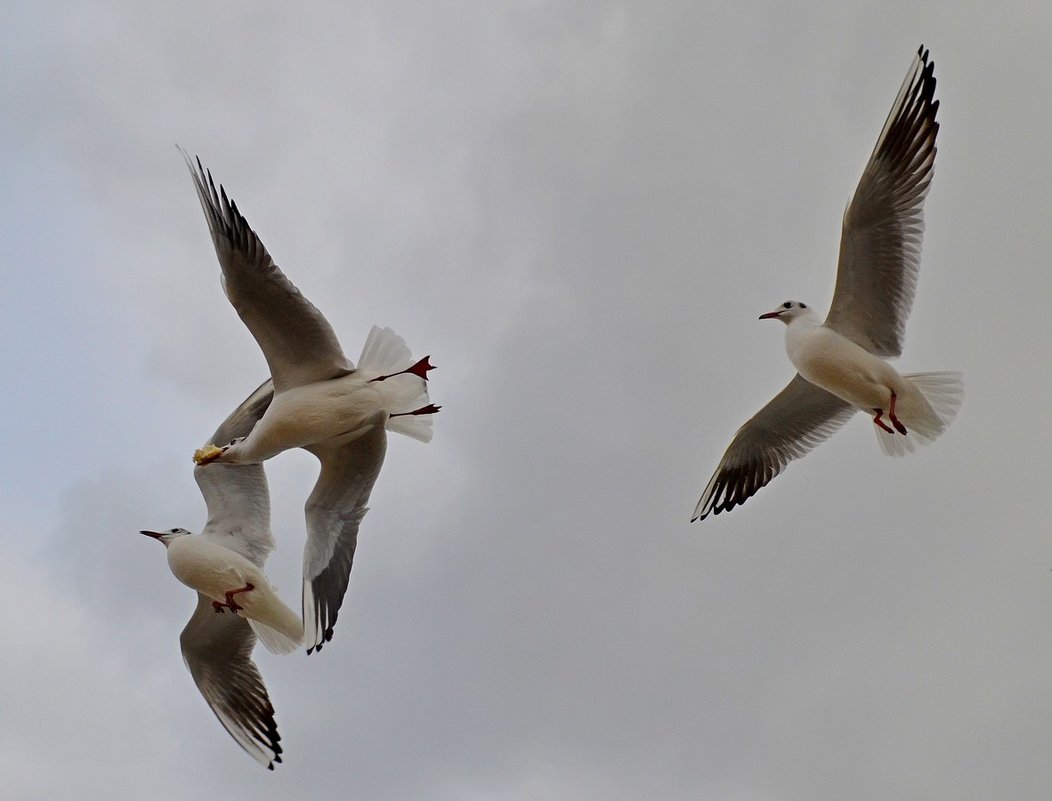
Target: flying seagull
321, 402
224, 563
841, 363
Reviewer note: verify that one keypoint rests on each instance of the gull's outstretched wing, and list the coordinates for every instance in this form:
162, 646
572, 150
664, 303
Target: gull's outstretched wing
217, 650
796, 420
880, 245
299, 344
349, 467
236, 495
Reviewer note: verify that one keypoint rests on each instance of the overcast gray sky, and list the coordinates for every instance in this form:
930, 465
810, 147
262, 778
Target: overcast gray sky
579, 209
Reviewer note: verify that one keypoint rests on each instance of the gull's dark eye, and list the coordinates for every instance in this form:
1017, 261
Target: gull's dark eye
803, 305
787, 305
175, 531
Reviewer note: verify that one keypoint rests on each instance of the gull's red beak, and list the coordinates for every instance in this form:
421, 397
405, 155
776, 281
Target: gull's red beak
771, 315
155, 534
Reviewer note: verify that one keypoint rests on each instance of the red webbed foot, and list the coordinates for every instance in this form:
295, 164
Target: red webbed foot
894, 420
420, 370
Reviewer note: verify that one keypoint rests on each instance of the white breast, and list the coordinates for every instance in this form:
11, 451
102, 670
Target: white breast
210, 568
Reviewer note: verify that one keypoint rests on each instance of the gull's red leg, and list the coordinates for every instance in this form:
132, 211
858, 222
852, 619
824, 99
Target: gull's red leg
230, 602
894, 420
429, 409
877, 419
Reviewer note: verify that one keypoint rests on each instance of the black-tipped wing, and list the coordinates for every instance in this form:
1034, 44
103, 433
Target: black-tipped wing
334, 511
297, 341
217, 650
237, 495
880, 245
796, 420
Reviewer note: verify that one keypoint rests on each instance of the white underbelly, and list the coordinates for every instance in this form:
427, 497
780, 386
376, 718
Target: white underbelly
306, 415
847, 371
209, 568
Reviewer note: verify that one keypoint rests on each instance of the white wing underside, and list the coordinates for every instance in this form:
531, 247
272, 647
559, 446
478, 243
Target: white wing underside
796, 420
297, 341
334, 512
237, 495
217, 650
883, 226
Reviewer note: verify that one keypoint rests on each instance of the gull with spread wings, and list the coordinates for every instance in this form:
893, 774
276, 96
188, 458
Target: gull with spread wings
322, 402
224, 563
842, 363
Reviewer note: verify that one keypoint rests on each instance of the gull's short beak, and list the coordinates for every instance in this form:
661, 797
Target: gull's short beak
771, 315
155, 534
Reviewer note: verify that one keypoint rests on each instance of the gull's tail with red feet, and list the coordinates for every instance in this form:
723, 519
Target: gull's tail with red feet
926, 413
386, 354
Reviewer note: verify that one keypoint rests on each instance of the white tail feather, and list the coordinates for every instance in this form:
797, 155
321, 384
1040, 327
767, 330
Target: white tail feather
277, 642
944, 393
417, 426
384, 352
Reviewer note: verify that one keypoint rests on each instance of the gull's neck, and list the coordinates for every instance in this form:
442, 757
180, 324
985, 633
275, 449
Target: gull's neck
798, 331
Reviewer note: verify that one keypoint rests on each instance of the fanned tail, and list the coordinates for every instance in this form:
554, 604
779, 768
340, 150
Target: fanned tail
944, 393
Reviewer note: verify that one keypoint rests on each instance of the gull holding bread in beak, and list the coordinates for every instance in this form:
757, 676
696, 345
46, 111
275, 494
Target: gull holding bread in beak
322, 402
224, 563
841, 362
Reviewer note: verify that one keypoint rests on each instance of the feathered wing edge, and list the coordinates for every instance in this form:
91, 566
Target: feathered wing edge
296, 339
334, 511
883, 226
796, 420
217, 650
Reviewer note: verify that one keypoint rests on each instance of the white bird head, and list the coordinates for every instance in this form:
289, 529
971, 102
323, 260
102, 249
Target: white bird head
788, 311
166, 537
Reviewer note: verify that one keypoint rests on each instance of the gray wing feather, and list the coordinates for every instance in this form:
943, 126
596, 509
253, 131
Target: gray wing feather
334, 511
297, 341
880, 245
796, 420
217, 650
237, 495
